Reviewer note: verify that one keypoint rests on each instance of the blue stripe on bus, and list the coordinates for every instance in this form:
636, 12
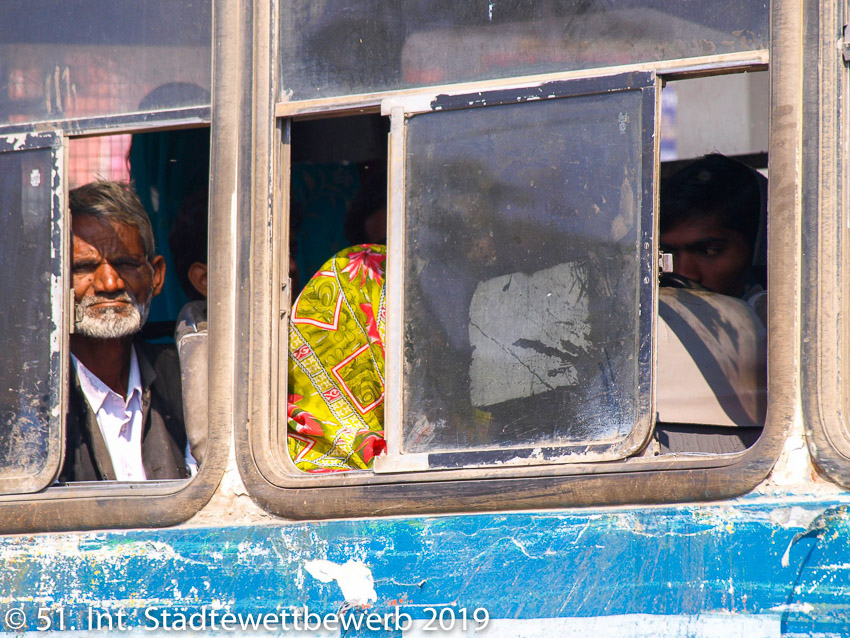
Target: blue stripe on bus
689, 560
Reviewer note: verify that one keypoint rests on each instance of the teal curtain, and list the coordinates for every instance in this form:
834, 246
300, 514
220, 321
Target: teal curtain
165, 168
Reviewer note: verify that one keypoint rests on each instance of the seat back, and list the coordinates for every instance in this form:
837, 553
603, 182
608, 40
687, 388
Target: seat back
191, 339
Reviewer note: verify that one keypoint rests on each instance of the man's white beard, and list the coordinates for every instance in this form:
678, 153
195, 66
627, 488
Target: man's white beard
111, 322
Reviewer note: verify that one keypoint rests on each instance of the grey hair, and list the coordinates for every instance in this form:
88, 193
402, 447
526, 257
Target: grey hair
117, 202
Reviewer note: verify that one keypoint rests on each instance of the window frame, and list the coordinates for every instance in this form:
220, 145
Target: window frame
262, 314
104, 505
826, 268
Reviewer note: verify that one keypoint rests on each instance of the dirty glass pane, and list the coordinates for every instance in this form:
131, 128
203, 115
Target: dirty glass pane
338, 47
87, 58
29, 370
525, 270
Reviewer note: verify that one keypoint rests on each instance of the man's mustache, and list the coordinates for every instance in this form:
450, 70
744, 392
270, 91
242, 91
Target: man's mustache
90, 300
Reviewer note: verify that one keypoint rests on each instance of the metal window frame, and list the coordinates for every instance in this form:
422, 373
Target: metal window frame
262, 314
826, 237
116, 124
103, 505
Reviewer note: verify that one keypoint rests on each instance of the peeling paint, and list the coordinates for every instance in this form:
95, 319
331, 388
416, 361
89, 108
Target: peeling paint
354, 579
795, 516
231, 504
670, 570
804, 608
17, 141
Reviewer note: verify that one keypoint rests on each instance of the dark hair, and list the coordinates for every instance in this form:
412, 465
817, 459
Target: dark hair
371, 197
716, 185
188, 239
113, 201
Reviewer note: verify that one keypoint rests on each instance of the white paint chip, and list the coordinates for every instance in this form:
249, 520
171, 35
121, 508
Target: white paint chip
527, 332
354, 579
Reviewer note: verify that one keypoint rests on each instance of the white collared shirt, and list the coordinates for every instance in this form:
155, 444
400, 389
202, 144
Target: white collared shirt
119, 418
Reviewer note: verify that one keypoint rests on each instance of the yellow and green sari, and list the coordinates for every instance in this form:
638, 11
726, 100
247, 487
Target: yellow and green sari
336, 364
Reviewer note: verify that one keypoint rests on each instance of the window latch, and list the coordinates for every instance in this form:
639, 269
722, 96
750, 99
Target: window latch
665, 262
75, 314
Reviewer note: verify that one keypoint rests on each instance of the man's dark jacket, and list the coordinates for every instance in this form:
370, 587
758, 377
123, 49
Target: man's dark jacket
163, 437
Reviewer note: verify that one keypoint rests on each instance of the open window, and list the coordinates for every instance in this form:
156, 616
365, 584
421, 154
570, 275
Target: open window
711, 394
485, 192
511, 198
36, 259
133, 69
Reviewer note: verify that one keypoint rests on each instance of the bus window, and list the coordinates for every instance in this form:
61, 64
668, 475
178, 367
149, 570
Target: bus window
519, 253
514, 170
33, 334
94, 58
362, 46
711, 364
711, 394
77, 68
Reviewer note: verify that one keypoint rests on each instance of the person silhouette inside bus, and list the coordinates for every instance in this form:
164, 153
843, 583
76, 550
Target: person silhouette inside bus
713, 215
366, 218
188, 242
125, 413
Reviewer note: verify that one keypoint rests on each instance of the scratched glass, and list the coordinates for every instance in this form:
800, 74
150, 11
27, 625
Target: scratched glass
89, 58
28, 384
522, 276
338, 47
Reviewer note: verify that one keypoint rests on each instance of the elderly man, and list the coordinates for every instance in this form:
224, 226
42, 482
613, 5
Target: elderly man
125, 416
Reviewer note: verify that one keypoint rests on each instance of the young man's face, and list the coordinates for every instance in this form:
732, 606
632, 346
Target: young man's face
709, 253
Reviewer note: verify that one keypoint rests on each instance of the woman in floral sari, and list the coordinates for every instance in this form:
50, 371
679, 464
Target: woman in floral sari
336, 364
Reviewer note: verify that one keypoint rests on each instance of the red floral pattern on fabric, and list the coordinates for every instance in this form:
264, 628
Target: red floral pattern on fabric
305, 423
373, 445
366, 263
371, 325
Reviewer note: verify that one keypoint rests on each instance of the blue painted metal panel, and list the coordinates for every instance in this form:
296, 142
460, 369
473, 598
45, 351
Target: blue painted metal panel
677, 561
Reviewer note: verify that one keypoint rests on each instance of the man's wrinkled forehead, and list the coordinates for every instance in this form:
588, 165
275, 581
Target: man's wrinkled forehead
101, 233
93, 236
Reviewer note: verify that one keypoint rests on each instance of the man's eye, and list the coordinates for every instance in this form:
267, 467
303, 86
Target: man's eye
126, 265
711, 251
